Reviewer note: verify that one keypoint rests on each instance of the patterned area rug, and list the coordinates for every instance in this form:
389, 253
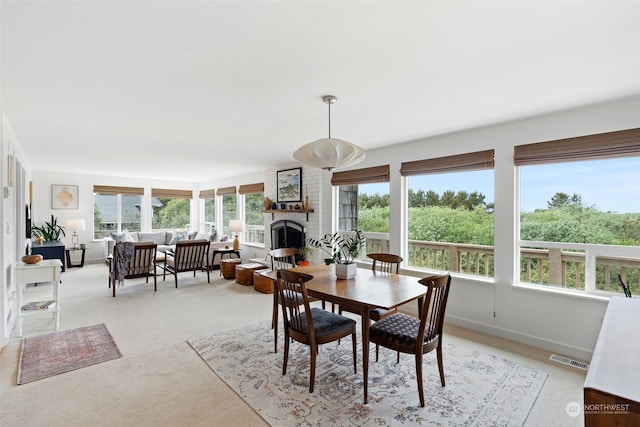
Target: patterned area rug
52, 354
481, 389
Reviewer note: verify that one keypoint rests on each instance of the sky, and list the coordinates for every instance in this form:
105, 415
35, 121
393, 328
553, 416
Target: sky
608, 185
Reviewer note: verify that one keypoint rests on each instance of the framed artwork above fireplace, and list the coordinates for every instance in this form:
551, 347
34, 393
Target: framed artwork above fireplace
289, 182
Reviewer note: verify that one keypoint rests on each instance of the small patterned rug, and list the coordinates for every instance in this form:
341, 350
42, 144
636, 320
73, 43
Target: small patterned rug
481, 389
52, 354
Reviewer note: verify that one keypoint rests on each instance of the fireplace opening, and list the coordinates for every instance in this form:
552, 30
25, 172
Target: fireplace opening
287, 234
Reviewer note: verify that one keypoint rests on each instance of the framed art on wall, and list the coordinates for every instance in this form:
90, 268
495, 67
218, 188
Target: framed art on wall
289, 183
64, 196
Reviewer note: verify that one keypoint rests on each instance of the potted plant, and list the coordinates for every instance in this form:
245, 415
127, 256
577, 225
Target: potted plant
304, 252
342, 251
49, 231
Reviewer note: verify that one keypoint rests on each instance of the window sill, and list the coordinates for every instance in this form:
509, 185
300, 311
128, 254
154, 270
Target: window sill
563, 292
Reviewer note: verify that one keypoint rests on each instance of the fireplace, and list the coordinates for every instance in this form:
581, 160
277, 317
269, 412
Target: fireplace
287, 234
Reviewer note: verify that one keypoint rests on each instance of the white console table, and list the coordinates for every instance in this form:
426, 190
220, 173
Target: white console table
47, 270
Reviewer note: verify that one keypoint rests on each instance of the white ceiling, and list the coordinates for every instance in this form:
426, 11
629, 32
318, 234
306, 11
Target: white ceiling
196, 91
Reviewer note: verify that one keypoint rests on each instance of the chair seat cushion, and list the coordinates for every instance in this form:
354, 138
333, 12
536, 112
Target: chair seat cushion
380, 313
326, 322
399, 328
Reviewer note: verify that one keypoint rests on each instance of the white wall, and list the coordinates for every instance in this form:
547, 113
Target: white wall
556, 321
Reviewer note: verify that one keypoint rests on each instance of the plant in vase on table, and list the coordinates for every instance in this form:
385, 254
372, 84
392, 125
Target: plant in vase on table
342, 251
49, 231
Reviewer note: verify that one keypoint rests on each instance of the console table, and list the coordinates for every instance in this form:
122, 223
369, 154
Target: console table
47, 270
50, 250
611, 391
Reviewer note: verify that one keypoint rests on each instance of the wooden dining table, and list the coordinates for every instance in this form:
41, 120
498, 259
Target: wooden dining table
367, 290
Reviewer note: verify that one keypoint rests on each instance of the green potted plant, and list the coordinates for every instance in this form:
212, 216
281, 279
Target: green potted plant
49, 231
304, 252
342, 251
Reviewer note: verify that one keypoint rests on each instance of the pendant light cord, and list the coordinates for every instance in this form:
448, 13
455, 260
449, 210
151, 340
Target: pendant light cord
329, 119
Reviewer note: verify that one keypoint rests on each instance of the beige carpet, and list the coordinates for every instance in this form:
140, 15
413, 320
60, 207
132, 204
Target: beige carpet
482, 389
161, 381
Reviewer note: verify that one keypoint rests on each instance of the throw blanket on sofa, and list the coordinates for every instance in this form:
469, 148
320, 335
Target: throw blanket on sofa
122, 251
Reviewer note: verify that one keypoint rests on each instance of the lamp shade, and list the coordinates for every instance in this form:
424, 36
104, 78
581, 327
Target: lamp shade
236, 226
329, 153
76, 224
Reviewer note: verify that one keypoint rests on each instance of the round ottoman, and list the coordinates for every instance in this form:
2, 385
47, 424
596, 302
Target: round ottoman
228, 267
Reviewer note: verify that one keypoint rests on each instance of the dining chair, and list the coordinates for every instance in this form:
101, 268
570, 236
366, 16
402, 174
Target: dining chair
407, 334
131, 260
313, 326
383, 263
189, 255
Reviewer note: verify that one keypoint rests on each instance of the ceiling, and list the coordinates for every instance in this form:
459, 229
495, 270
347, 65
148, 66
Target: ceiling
199, 91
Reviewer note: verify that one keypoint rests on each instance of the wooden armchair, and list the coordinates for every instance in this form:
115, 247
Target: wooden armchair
189, 255
132, 260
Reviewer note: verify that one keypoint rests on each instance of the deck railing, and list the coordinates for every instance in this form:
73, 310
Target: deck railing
554, 266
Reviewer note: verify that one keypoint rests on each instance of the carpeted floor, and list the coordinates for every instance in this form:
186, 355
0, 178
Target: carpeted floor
52, 354
482, 389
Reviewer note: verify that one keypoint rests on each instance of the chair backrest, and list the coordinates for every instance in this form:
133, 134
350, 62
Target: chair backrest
433, 308
386, 263
292, 289
191, 254
142, 261
283, 258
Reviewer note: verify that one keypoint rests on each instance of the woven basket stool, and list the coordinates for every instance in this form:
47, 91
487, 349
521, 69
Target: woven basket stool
244, 273
228, 267
262, 284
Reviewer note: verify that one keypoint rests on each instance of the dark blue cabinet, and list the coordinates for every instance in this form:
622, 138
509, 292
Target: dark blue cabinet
50, 250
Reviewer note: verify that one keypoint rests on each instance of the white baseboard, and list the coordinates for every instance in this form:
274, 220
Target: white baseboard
551, 346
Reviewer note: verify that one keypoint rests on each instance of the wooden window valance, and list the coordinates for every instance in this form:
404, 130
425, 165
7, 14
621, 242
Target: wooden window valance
251, 188
457, 163
208, 194
171, 194
362, 176
226, 191
623, 143
110, 189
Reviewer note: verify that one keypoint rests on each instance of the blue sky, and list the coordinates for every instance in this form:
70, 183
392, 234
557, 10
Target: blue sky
609, 185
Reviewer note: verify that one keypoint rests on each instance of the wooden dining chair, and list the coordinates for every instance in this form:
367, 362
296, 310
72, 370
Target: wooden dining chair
189, 255
407, 334
383, 263
132, 260
280, 258
313, 326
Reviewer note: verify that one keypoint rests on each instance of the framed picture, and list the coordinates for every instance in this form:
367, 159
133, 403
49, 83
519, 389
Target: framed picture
64, 196
289, 183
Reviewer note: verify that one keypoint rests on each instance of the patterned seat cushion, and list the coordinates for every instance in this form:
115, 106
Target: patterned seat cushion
398, 328
326, 322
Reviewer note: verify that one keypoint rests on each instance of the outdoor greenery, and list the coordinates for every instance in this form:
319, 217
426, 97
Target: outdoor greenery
172, 214
467, 218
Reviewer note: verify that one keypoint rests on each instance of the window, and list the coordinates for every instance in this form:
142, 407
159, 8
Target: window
450, 213
363, 204
208, 210
229, 207
253, 218
171, 209
579, 212
115, 209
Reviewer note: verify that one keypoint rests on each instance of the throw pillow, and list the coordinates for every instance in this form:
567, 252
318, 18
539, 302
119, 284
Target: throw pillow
178, 235
122, 237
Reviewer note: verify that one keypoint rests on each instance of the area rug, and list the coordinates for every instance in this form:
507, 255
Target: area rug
481, 389
52, 354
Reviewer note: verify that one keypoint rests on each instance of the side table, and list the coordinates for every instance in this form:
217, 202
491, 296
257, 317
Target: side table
68, 253
222, 252
50, 250
47, 270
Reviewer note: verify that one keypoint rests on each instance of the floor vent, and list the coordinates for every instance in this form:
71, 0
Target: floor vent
570, 362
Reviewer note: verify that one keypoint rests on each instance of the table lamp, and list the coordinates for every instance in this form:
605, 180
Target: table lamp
236, 226
75, 224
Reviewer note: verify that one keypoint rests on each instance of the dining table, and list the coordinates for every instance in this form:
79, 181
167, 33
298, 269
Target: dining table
369, 289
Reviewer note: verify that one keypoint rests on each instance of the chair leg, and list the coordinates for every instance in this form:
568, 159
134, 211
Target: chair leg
440, 365
312, 373
355, 352
286, 353
397, 357
377, 351
419, 377
175, 275
155, 282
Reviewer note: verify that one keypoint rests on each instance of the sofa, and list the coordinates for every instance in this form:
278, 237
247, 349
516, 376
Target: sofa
166, 240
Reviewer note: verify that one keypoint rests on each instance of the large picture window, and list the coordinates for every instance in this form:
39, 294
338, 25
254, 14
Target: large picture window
450, 213
171, 209
229, 201
116, 209
579, 212
253, 217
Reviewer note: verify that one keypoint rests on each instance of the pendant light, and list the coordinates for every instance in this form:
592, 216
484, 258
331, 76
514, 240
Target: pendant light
329, 153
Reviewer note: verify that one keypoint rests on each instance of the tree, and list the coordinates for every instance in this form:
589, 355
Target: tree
560, 199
